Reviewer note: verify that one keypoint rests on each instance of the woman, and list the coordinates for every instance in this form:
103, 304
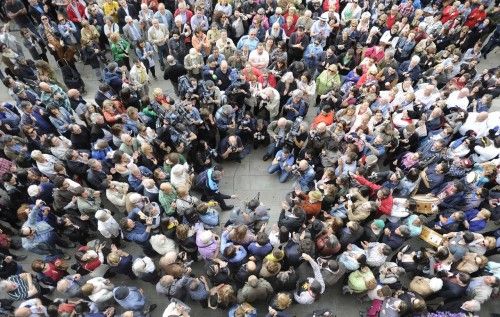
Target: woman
68, 31
34, 45
110, 27
59, 146
145, 52
147, 157
120, 50
308, 87
405, 47
61, 119
328, 80
139, 78
201, 43
54, 40
88, 260
285, 87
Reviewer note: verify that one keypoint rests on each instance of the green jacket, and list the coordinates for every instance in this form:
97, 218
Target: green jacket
120, 50
326, 82
166, 200
357, 280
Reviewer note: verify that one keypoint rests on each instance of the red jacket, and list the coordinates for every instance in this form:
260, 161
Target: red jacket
72, 13
385, 206
475, 17
449, 13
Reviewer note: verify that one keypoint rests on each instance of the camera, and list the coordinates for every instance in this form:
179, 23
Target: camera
258, 136
233, 148
213, 153
295, 169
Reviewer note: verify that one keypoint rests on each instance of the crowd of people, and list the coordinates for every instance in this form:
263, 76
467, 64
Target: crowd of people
374, 112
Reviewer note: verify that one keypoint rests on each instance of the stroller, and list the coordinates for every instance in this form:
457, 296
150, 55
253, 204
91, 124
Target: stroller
71, 77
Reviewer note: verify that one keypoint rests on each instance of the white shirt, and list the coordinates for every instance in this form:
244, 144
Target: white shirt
109, 228
454, 101
257, 60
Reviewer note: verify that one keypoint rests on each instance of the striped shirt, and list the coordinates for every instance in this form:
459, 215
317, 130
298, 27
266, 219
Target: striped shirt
21, 292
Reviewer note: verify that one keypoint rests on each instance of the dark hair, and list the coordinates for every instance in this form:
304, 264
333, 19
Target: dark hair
262, 238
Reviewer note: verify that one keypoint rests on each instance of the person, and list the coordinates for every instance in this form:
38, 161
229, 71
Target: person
208, 183
283, 164
406, 124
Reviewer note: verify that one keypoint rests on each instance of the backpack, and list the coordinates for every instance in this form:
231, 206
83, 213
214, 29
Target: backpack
201, 180
184, 85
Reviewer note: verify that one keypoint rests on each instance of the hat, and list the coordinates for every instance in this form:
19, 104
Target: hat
210, 59
324, 17
101, 214
121, 292
379, 223
371, 159
33, 190
206, 237
300, 26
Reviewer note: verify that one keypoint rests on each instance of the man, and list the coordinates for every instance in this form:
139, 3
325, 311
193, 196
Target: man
193, 62
19, 287
249, 40
320, 29
255, 290
132, 31
295, 106
136, 231
277, 130
480, 288
410, 69
225, 120
53, 95
312, 55
458, 100
34, 115
199, 21
282, 164
16, 11
124, 11
96, 177
158, 36
224, 74
208, 183
298, 42
259, 58
164, 16
306, 176
231, 148
132, 298
173, 72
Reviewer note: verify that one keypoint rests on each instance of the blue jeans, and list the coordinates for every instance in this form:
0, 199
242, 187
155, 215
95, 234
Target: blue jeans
162, 54
273, 168
339, 211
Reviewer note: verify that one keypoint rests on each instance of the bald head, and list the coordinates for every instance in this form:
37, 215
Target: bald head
44, 86
282, 122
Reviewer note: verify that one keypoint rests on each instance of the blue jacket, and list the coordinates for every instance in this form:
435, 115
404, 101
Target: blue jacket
306, 179
260, 250
134, 300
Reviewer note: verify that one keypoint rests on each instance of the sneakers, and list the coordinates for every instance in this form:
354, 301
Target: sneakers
266, 157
